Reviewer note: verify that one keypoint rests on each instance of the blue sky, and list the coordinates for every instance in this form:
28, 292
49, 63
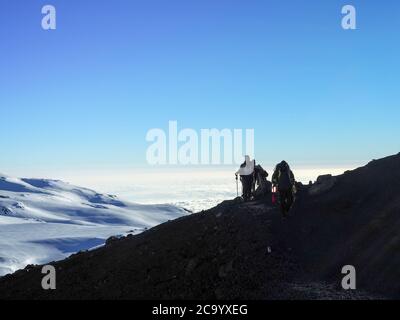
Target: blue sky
86, 94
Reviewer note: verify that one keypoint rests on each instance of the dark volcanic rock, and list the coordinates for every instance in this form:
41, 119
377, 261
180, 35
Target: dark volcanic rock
247, 251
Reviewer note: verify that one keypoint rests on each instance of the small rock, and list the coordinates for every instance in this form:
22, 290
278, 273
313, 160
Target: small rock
224, 270
111, 240
29, 267
192, 264
219, 294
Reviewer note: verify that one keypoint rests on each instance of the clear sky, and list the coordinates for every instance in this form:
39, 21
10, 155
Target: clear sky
85, 94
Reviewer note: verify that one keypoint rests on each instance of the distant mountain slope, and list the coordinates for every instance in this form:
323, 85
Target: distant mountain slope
247, 251
43, 220
356, 222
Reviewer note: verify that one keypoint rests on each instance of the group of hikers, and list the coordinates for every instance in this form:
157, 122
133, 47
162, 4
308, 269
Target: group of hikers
256, 186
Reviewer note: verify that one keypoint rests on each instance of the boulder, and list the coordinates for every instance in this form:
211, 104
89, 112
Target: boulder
323, 184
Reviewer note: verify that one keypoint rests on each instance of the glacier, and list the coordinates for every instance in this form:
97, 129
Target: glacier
45, 220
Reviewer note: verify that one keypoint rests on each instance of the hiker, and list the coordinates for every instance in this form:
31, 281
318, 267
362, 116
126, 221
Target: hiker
283, 179
263, 185
246, 173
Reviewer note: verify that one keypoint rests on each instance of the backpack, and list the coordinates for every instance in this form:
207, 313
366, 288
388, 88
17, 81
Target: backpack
284, 182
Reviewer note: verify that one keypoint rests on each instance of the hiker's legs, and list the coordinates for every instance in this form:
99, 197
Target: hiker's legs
251, 187
290, 200
246, 184
283, 207
286, 201
243, 187
283, 201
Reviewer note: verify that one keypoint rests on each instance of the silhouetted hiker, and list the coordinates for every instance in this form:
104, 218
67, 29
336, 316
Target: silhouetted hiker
283, 178
263, 185
246, 173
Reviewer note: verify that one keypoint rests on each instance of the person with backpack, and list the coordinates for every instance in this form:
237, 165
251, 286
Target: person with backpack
263, 185
283, 179
246, 173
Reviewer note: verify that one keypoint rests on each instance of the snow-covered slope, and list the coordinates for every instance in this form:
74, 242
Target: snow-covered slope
46, 220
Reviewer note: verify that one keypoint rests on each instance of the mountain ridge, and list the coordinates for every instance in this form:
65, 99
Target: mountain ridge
242, 250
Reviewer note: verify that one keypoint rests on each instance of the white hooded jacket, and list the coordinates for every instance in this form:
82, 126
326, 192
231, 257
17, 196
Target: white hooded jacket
247, 169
